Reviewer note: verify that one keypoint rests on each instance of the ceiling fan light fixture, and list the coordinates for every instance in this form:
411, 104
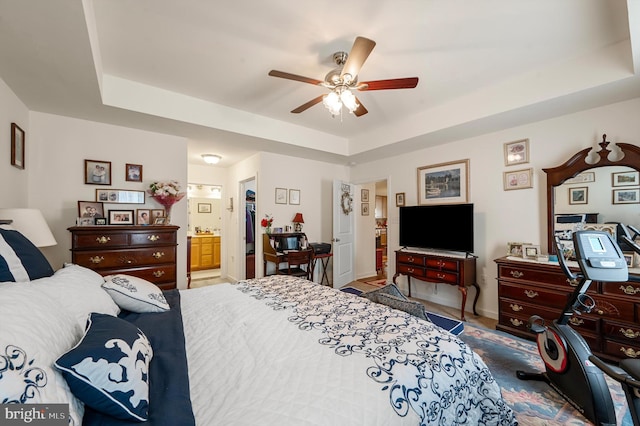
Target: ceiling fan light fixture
332, 103
211, 158
349, 100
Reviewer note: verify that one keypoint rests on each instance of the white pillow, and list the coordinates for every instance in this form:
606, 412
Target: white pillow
36, 329
79, 290
135, 294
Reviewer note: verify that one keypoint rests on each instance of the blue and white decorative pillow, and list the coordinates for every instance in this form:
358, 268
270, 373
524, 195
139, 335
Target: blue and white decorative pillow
109, 369
135, 294
20, 260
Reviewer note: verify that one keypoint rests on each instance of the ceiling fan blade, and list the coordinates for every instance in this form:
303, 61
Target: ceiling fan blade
396, 83
361, 110
360, 51
288, 76
308, 105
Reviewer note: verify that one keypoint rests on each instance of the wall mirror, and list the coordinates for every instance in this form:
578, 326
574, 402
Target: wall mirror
594, 187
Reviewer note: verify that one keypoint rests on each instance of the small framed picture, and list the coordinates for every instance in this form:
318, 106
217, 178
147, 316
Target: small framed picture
399, 199
294, 196
17, 146
444, 183
281, 196
100, 220
515, 249
516, 152
156, 213
364, 209
85, 221
364, 195
120, 217
518, 179
134, 172
97, 172
530, 251
629, 257
626, 196
143, 217
579, 195
160, 221
630, 178
122, 196
204, 207
90, 209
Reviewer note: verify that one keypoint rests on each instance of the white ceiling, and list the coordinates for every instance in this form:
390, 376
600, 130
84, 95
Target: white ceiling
198, 68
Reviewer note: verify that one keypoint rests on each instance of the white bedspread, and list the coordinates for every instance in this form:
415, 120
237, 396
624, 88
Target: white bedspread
285, 351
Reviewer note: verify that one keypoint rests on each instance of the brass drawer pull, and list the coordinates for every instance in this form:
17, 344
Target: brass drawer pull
103, 240
96, 259
158, 274
516, 322
441, 276
410, 270
158, 254
576, 321
572, 283
630, 352
630, 334
531, 294
153, 237
440, 263
517, 274
516, 308
410, 259
630, 290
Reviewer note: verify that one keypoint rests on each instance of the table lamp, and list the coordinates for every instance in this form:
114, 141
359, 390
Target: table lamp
297, 222
31, 224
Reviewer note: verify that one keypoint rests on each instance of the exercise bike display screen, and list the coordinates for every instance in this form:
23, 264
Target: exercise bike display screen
599, 257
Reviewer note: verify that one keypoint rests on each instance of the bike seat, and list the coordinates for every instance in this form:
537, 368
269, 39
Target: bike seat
631, 367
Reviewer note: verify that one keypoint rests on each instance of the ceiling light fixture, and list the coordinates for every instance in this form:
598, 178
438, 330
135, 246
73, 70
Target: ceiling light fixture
338, 97
211, 158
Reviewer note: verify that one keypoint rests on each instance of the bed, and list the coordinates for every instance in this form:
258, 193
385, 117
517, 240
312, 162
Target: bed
274, 350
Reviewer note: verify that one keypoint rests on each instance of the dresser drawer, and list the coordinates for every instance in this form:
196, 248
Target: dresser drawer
443, 264
621, 350
624, 332
152, 237
516, 308
155, 274
442, 276
415, 271
410, 258
124, 258
535, 295
100, 240
622, 289
616, 309
522, 273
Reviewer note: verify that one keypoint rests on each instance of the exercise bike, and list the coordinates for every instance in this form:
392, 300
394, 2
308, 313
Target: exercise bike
569, 364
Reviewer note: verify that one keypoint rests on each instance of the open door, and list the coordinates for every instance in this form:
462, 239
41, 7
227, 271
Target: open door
343, 234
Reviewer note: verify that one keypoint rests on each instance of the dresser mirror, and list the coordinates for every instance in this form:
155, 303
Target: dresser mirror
594, 186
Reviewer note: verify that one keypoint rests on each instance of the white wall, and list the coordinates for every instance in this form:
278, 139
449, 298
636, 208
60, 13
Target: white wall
14, 189
56, 172
501, 216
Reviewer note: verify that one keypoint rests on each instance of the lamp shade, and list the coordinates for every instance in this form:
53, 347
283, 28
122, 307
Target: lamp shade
298, 218
31, 224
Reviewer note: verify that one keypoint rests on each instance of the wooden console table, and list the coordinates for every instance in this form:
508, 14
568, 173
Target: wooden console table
435, 268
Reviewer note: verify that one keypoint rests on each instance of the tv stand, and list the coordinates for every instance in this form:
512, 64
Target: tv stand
439, 268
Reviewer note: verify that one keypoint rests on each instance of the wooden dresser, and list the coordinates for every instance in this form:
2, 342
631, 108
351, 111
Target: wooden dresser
147, 252
434, 268
612, 329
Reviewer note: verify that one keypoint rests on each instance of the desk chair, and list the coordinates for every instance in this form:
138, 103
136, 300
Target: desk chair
299, 264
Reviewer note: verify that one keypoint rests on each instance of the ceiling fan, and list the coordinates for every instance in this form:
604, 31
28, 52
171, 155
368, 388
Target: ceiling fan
343, 79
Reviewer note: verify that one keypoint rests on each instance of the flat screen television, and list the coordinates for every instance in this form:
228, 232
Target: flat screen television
441, 227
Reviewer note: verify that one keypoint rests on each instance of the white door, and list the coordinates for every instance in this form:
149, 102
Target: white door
343, 238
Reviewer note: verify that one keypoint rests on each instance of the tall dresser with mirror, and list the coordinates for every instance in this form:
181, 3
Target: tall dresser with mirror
527, 288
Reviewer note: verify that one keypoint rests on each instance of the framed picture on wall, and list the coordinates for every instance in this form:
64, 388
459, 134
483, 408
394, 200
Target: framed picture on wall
364, 195
625, 178
626, 196
294, 196
518, 179
516, 152
133, 172
444, 183
400, 199
17, 146
281, 195
204, 207
579, 195
97, 172
364, 210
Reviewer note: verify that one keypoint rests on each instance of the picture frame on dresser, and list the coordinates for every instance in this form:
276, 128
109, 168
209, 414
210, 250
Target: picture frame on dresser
121, 217
143, 216
156, 213
90, 209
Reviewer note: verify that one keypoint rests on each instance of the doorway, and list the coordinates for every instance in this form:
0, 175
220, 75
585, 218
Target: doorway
381, 214
248, 191
205, 230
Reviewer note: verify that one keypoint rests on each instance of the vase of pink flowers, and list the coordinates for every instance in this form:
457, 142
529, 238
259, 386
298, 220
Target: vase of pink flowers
166, 194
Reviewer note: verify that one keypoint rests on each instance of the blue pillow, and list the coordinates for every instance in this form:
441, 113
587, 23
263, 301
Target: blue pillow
20, 260
109, 369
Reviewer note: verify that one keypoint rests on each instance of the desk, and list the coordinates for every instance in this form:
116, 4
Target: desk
269, 254
324, 261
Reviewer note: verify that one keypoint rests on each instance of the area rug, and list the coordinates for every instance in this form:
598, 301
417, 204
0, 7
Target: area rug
534, 403
377, 283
